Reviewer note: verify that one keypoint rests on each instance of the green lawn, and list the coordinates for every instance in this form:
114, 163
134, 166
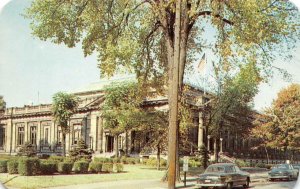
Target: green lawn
35, 182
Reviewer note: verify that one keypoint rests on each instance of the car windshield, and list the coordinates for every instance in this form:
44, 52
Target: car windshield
214, 169
282, 166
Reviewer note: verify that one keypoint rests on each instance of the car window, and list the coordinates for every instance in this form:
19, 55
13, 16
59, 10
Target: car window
230, 169
215, 169
237, 168
282, 166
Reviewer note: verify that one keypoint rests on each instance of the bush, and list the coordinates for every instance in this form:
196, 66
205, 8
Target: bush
12, 166
3, 166
95, 167
64, 167
28, 166
48, 167
261, 165
107, 167
118, 167
103, 160
28, 150
81, 167
56, 158
116, 160
241, 163
153, 162
81, 151
133, 160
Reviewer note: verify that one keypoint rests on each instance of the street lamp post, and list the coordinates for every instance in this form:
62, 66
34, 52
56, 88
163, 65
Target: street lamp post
208, 143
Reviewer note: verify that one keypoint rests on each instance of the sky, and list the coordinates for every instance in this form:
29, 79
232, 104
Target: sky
31, 70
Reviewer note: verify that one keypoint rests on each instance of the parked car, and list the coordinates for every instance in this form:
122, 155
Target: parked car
296, 166
283, 171
225, 175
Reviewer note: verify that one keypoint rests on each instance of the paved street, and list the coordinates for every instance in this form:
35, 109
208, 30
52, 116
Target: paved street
275, 185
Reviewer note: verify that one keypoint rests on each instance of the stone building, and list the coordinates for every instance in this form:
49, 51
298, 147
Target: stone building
35, 124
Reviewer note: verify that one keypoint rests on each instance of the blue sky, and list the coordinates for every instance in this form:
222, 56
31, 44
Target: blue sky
31, 71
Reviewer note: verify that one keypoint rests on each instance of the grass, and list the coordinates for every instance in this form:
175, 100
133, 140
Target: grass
34, 182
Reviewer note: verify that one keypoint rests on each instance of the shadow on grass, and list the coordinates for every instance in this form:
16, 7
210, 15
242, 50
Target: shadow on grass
10, 179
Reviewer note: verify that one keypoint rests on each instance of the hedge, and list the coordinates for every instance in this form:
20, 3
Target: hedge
103, 160
81, 167
95, 167
56, 158
129, 160
107, 167
65, 167
28, 166
48, 167
118, 167
3, 166
12, 166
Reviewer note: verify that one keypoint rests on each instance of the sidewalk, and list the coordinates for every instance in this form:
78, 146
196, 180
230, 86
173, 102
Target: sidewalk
151, 184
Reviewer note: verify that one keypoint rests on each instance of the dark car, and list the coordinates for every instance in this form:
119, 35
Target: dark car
283, 171
225, 175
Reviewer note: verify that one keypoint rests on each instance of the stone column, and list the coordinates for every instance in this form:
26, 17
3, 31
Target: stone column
221, 145
200, 130
38, 135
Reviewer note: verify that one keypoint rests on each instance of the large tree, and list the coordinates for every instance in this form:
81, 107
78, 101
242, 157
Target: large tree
158, 38
63, 107
124, 110
281, 121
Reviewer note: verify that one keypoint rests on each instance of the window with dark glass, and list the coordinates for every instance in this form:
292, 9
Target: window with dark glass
2, 136
20, 135
33, 135
46, 135
59, 137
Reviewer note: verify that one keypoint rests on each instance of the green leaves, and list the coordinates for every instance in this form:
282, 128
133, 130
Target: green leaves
280, 125
63, 107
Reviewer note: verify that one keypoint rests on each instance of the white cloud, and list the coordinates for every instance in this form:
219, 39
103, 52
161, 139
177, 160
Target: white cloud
3, 3
296, 2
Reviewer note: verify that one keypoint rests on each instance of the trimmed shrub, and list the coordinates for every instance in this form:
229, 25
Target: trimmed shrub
103, 160
48, 167
107, 167
81, 167
118, 167
95, 167
64, 167
56, 158
28, 166
116, 160
3, 166
12, 166
132, 160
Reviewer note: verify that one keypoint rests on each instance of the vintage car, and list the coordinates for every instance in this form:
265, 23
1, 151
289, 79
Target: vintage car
283, 171
222, 175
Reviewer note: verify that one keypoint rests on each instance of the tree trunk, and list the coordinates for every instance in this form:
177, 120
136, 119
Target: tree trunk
268, 159
64, 144
173, 123
158, 156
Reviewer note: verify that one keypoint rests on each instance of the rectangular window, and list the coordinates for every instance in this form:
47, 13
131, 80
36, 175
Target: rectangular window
46, 136
59, 137
20, 136
76, 134
2, 136
33, 135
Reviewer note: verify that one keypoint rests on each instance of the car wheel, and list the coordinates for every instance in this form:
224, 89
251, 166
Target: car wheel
247, 183
271, 179
229, 185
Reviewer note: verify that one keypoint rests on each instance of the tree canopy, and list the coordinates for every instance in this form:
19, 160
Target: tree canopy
281, 121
